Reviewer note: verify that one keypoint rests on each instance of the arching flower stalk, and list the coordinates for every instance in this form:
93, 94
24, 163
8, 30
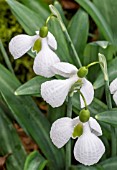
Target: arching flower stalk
43, 44
88, 148
55, 92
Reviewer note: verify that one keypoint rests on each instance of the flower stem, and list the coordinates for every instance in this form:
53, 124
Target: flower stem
68, 145
109, 104
64, 29
85, 103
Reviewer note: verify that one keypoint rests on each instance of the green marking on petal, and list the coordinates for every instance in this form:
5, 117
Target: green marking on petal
37, 46
78, 130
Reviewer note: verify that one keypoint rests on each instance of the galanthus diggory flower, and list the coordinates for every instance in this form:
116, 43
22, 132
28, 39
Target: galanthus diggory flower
45, 57
55, 92
113, 89
88, 148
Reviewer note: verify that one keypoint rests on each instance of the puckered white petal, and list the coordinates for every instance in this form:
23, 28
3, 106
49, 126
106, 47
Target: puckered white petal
64, 69
51, 41
95, 127
88, 148
44, 60
55, 92
75, 121
115, 97
88, 92
113, 86
61, 131
20, 44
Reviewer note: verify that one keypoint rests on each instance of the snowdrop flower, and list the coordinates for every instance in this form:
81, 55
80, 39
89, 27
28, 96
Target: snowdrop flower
55, 92
113, 89
43, 43
88, 148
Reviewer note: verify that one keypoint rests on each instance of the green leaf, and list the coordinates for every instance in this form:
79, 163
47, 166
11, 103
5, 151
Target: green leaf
109, 164
109, 15
98, 18
112, 73
30, 118
38, 6
63, 53
56, 113
32, 87
81, 167
29, 20
78, 30
6, 58
59, 8
11, 143
108, 117
35, 161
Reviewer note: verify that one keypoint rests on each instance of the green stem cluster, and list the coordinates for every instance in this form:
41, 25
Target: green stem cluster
109, 104
68, 145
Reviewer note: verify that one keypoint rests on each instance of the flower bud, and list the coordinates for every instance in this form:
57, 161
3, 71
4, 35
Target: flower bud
82, 72
37, 46
43, 32
78, 130
84, 115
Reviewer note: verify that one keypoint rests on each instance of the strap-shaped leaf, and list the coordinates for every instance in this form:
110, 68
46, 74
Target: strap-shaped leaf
29, 117
35, 161
98, 18
10, 143
112, 72
79, 36
108, 117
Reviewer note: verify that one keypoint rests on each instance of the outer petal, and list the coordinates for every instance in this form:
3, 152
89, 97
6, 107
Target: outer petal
61, 131
88, 92
20, 44
64, 69
55, 92
44, 60
115, 97
88, 149
113, 86
95, 127
52, 41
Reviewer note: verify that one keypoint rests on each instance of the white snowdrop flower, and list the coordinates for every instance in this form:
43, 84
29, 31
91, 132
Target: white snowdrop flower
88, 148
55, 92
21, 44
113, 89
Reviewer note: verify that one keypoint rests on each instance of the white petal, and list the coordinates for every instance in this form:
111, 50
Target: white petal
52, 41
88, 92
20, 44
44, 60
88, 149
55, 92
75, 121
113, 86
115, 97
61, 131
64, 69
95, 127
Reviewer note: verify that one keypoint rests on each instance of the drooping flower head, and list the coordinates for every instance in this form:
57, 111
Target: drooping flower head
113, 89
55, 92
88, 148
43, 43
